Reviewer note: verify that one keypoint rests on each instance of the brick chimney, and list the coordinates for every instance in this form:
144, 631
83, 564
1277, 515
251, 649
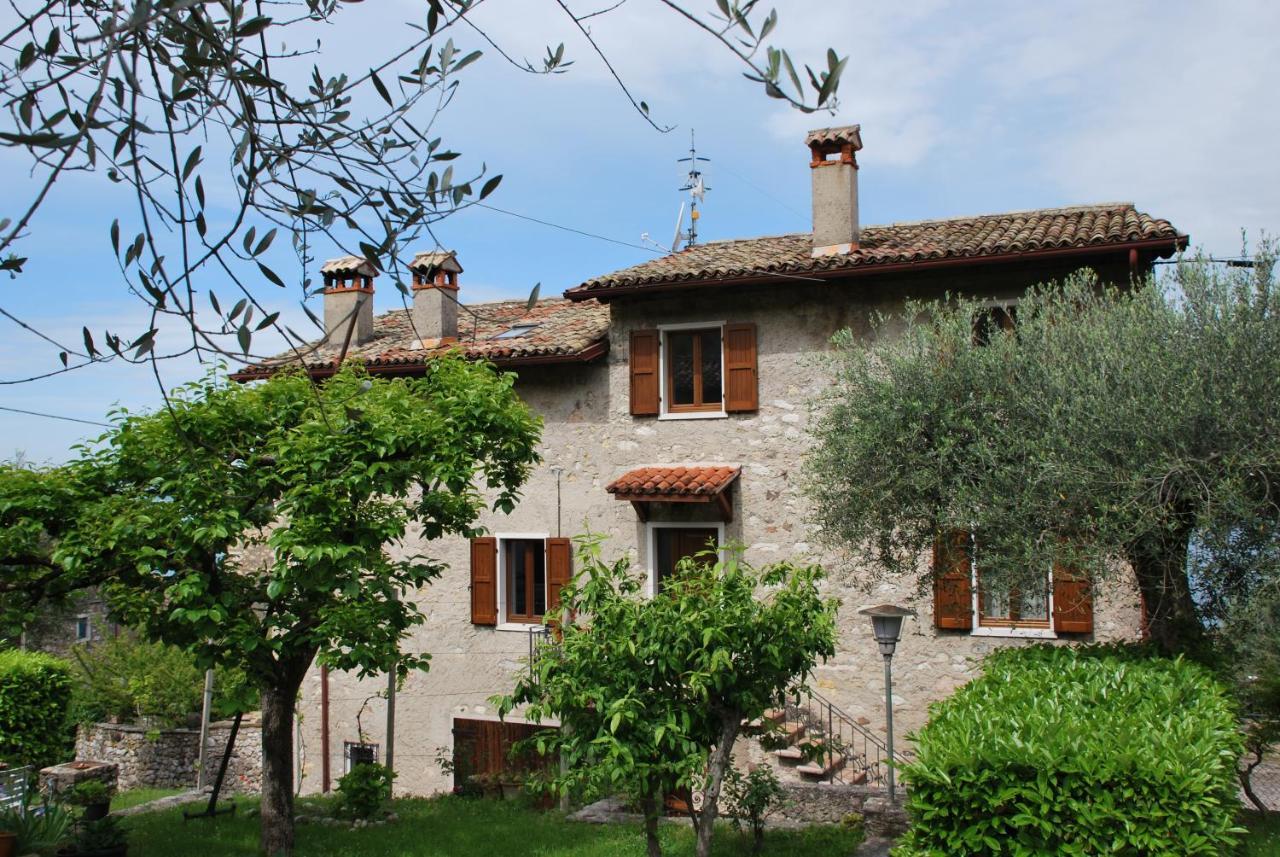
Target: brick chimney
348, 290
834, 168
435, 295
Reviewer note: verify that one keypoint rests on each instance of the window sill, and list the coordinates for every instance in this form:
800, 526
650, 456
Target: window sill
695, 415
522, 627
1022, 633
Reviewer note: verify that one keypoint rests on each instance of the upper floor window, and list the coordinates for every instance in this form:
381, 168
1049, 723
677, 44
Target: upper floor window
516, 579
692, 360
691, 370
525, 570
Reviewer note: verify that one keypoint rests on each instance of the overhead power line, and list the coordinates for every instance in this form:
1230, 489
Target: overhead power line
55, 417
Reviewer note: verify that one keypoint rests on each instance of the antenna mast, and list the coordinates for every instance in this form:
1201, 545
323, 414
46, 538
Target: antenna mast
697, 189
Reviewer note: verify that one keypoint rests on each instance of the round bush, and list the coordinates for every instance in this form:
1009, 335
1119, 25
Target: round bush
1092, 750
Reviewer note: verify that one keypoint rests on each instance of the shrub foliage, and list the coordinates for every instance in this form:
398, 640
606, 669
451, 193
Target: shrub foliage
1076, 751
35, 694
365, 790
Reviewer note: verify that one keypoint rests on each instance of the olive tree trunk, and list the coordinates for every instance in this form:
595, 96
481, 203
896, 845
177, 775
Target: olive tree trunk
1160, 565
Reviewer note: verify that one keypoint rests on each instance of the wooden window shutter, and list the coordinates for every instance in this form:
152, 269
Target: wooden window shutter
644, 373
484, 581
1072, 601
559, 572
741, 392
952, 582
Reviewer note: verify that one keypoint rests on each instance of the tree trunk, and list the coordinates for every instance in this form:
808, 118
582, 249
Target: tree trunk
1246, 780
1160, 564
721, 758
277, 760
651, 806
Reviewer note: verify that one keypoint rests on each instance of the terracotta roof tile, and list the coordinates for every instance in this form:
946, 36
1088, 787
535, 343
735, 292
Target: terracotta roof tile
925, 241
560, 330
676, 481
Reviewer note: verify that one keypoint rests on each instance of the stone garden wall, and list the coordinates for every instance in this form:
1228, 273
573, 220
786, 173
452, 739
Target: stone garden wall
831, 803
168, 758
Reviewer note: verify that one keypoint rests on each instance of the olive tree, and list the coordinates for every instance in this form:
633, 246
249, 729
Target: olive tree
1111, 428
254, 526
652, 692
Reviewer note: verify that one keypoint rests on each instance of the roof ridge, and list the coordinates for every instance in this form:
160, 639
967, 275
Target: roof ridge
541, 302
1061, 209
957, 218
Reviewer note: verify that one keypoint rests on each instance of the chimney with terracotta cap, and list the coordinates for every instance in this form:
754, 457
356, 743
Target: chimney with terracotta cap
435, 296
834, 168
348, 295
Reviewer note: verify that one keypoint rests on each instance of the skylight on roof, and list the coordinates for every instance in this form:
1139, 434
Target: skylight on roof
515, 331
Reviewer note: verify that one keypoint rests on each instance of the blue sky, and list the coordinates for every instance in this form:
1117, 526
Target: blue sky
965, 108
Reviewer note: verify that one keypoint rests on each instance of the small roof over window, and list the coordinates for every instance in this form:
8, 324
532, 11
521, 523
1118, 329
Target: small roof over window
685, 483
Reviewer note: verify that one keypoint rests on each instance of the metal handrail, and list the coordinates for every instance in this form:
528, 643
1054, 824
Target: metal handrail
852, 752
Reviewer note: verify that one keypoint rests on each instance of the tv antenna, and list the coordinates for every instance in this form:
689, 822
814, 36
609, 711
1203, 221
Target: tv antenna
697, 189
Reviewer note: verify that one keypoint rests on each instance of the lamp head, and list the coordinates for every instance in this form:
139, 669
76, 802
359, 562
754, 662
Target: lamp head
886, 624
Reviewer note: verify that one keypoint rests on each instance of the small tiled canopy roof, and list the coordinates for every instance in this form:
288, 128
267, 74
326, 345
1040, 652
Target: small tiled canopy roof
558, 331
1023, 235
667, 482
690, 483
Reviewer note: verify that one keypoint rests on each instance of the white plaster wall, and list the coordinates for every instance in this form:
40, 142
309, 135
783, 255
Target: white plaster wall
591, 435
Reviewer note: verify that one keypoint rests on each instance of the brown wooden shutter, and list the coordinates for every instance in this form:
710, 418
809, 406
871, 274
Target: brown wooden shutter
1072, 601
952, 582
644, 373
559, 572
484, 581
740, 384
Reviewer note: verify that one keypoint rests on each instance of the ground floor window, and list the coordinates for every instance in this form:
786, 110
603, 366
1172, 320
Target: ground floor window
358, 753
967, 600
673, 543
1013, 606
83, 629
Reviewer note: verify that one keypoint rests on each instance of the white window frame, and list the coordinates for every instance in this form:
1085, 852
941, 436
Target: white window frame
651, 544
502, 538
88, 628
1011, 631
663, 413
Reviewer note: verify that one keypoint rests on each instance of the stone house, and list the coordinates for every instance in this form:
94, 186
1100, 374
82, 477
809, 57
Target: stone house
674, 395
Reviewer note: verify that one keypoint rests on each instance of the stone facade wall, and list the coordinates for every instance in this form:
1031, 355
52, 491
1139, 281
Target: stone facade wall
590, 434
169, 758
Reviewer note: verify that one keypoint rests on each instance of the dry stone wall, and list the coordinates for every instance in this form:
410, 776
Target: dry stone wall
169, 758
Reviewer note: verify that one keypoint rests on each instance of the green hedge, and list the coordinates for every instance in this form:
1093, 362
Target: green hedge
1076, 751
35, 693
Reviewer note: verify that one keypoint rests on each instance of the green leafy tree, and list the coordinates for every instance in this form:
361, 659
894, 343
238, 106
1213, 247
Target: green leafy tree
250, 526
652, 693
1112, 423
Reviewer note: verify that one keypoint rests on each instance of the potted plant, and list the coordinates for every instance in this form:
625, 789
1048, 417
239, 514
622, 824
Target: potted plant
93, 795
104, 837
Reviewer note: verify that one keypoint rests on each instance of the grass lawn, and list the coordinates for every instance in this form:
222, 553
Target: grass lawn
456, 827
133, 797
1264, 835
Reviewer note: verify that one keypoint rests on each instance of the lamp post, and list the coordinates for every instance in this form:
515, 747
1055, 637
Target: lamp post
886, 624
